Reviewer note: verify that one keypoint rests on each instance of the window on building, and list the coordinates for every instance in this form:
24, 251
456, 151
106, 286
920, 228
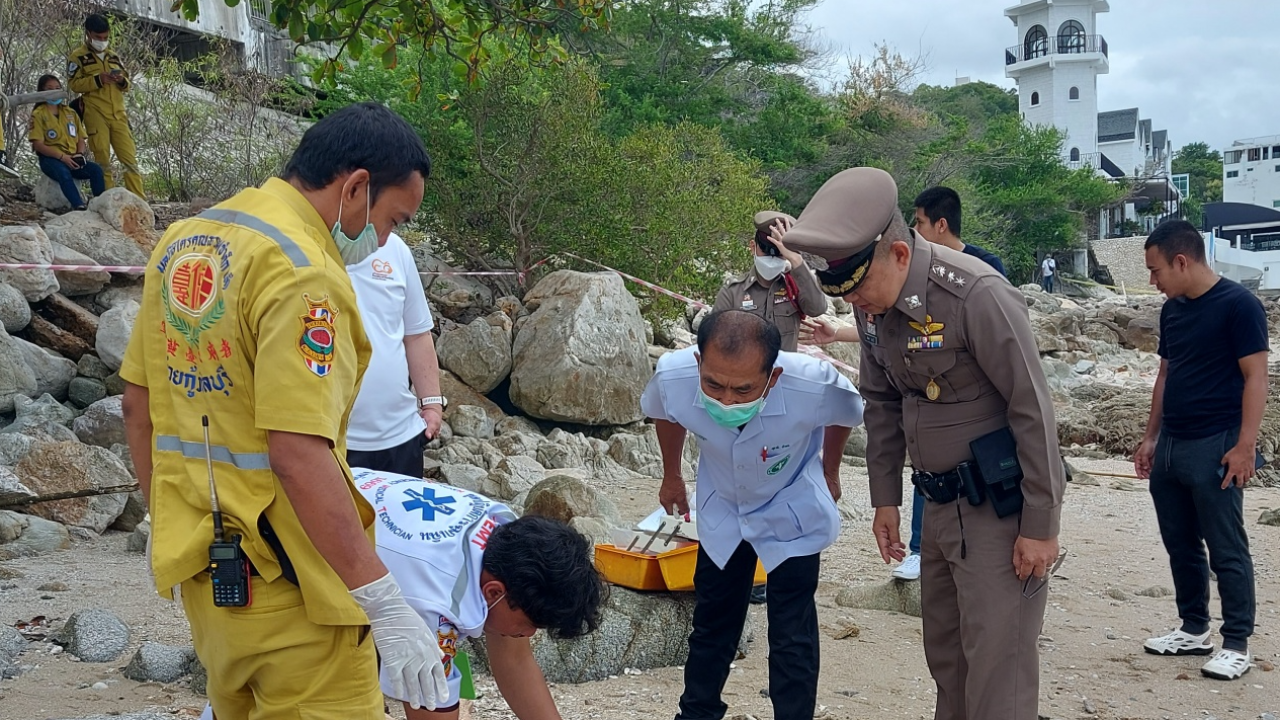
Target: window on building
1071, 37
1233, 174
1075, 154
1266, 153
1073, 93
1036, 43
1275, 203
1232, 157
1035, 99
1255, 154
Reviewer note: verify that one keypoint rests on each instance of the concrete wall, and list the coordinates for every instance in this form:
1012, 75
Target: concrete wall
1126, 260
1256, 182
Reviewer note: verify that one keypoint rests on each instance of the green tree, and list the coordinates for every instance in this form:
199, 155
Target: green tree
1204, 166
977, 102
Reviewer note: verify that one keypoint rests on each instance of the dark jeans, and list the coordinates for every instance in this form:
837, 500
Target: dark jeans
66, 178
1046, 282
718, 618
917, 521
404, 459
1193, 512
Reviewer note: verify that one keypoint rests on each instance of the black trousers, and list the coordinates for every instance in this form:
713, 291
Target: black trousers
1195, 513
718, 617
404, 459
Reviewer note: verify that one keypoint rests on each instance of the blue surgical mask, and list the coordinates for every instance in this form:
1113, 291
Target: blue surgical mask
56, 101
732, 416
355, 251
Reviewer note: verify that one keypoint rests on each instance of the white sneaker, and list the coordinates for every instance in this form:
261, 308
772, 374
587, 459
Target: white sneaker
1179, 643
909, 569
1227, 665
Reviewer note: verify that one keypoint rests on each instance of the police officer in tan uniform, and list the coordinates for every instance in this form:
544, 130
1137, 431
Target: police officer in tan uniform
779, 288
948, 358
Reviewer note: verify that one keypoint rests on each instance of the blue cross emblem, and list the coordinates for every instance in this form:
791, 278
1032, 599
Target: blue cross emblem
428, 503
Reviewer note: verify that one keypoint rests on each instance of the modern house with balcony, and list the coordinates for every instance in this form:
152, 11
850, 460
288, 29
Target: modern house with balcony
1056, 65
1251, 172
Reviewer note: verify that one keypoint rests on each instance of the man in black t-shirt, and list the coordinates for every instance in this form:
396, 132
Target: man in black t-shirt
1200, 446
938, 221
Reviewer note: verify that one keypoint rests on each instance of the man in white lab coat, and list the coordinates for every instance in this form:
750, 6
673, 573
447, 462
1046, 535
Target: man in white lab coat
771, 429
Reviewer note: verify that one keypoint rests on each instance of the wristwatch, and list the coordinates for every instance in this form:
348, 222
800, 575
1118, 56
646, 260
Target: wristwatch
433, 400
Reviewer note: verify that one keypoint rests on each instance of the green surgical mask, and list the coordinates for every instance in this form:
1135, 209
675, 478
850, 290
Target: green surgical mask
354, 252
732, 416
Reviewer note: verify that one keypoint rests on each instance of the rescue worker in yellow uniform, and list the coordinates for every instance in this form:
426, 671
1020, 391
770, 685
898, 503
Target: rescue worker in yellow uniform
248, 318
96, 72
57, 137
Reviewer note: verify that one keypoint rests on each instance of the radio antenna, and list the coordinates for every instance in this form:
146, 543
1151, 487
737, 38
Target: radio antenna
218, 534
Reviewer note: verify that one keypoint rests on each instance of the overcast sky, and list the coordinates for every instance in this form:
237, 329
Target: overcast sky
1205, 70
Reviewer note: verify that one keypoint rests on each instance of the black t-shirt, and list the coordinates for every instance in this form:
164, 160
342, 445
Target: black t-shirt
986, 257
1203, 341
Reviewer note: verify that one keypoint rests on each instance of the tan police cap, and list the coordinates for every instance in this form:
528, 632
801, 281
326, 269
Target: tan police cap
843, 223
766, 218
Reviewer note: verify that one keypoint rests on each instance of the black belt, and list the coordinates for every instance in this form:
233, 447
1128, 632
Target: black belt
942, 488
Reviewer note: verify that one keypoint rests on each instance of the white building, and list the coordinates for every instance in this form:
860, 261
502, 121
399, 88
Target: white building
1251, 172
1056, 65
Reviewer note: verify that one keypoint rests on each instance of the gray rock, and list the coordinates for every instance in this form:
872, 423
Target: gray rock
595, 530
479, 353
563, 497
856, 446
638, 452
471, 421
48, 195
71, 467
637, 630
121, 451
128, 213
12, 643
53, 372
467, 451
11, 488
36, 413
90, 366
39, 537
93, 636
159, 663
1270, 517
138, 539
894, 596
465, 477
580, 357
115, 384
83, 391
16, 377
515, 424
563, 450
48, 431
102, 423
114, 329
86, 232
518, 443
120, 292
77, 283
135, 511
15, 313
21, 244
12, 525
14, 447
514, 475
1143, 334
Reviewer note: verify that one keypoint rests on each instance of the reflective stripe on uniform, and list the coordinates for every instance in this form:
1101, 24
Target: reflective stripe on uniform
256, 224
195, 450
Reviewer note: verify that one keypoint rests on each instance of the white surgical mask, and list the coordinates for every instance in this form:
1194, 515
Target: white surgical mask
495, 602
770, 267
99, 45
354, 252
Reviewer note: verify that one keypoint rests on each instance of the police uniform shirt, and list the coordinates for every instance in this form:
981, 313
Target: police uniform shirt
432, 539
84, 72
951, 361
57, 127
764, 483
771, 303
247, 317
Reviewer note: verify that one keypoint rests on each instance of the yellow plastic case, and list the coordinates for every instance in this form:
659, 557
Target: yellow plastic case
671, 570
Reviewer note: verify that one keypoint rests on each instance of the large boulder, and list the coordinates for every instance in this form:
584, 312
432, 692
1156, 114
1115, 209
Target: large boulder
129, 214
135, 512
86, 232
72, 467
513, 476
120, 292
12, 490
16, 376
53, 372
48, 195
14, 447
159, 663
637, 631
28, 245
93, 636
479, 353
580, 357
15, 313
893, 596
36, 536
74, 283
460, 394
114, 330
638, 452
1143, 334
563, 497
38, 414
471, 421
102, 423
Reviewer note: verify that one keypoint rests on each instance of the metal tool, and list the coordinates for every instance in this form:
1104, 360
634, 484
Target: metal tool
653, 537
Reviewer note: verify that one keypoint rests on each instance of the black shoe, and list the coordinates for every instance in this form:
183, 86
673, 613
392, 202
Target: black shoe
758, 595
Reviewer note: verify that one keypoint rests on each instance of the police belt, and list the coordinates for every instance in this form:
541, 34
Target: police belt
942, 488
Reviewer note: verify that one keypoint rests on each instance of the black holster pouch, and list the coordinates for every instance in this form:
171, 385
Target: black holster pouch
995, 456
268, 534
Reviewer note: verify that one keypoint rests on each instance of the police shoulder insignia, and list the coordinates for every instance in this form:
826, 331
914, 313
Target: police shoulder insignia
318, 338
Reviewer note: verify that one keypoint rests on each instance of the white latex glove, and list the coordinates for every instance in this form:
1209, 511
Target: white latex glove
412, 662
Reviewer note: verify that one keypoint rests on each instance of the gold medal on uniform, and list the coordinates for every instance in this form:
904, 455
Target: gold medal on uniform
932, 391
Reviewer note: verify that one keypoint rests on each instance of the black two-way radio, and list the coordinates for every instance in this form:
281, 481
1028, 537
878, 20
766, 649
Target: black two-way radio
228, 565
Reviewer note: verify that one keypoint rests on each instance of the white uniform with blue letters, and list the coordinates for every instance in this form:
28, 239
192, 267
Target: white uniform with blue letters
763, 483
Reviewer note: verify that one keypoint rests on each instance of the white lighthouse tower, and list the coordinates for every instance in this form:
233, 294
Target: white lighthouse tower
1056, 65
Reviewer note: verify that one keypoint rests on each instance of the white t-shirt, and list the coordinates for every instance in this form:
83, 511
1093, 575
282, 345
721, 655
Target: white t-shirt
392, 305
432, 538
1048, 266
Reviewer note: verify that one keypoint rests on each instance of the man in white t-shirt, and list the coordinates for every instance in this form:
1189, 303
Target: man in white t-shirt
471, 569
399, 407
1048, 269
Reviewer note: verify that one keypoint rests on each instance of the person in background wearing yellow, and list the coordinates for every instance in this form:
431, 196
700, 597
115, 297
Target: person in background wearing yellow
57, 137
96, 72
